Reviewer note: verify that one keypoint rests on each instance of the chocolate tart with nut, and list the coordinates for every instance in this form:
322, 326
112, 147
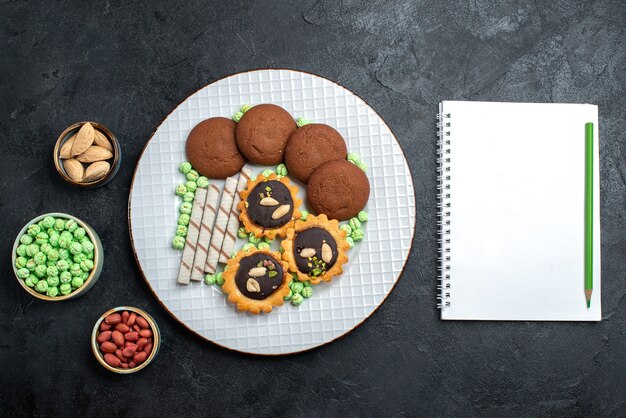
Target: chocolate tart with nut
316, 249
256, 280
268, 206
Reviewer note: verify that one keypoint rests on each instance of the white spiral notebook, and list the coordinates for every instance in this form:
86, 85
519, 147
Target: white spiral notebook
511, 211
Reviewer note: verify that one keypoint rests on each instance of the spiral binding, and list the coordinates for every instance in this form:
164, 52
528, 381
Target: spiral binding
443, 209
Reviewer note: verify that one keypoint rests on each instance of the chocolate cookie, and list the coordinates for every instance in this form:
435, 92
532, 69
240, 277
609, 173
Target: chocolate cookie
262, 133
212, 150
338, 189
311, 146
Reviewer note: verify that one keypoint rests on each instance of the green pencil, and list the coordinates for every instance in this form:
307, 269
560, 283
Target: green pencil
588, 212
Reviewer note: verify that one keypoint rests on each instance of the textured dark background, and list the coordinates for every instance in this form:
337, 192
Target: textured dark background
128, 64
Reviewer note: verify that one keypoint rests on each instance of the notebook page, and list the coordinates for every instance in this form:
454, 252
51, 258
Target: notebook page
517, 211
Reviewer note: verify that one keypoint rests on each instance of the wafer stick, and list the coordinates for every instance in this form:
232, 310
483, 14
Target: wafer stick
206, 226
233, 219
219, 228
184, 272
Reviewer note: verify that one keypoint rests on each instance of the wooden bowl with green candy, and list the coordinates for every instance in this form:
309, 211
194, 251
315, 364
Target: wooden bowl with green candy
57, 256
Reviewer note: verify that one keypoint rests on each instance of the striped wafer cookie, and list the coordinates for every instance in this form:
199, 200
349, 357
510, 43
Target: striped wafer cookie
233, 219
206, 226
186, 263
219, 229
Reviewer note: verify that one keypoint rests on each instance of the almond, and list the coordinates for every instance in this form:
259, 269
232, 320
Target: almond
96, 171
101, 140
257, 272
327, 253
268, 201
74, 169
253, 286
93, 154
307, 252
280, 212
84, 139
66, 148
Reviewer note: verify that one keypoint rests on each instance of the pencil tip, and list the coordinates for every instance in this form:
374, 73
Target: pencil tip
588, 304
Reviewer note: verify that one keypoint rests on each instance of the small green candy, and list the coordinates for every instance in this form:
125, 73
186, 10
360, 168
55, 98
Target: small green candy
350, 241
64, 254
23, 273
183, 219
41, 286
75, 269
41, 225
192, 175
353, 158
188, 197
52, 232
347, 228
52, 291
89, 256
245, 108
178, 243
71, 225
75, 248
181, 231
42, 238
79, 233
32, 249
186, 207
20, 262
53, 255
66, 235
48, 222
248, 246
241, 233
26, 239
181, 190
86, 265
362, 165
288, 295
54, 240
253, 239
51, 263
21, 250
53, 280
263, 246
87, 247
77, 282
304, 215
40, 258
267, 239
31, 281
209, 279
64, 242
59, 225
45, 248
307, 292
52, 271
267, 173
297, 299
33, 230
202, 182
63, 265
79, 258
219, 279
355, 224
191, 186
357, 235
296, 287
31, 265
302, 122
65, 277
237, 116
281, 170
85, 275
65, 288
40, 271
185, 167
307, 284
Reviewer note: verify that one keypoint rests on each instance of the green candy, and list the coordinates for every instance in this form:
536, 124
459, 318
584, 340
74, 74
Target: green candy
23, 273
347, 228
181, 231
53, 280
65, 288
52, 271
59, 225
31, 281
63, 265
253, 239
178, 242
304, 215
288, 295
33, 230
307, 284
355, 224
237, 116
241, 233
300, 122
64, 242
202, 182
186, 207
21, 250
219, 279
88, 256
353, 158
86, 265
53, 291
180, 190
263, 246
357, 235
281, 170
45, 248
20, 262
87, 247
77, 282
84, 239
40, 258
307, 292
191, 186
79, 233
268, 240
32, 249
79, 258
41, 225
48, 222
267, 173
297, 299
245, 108
362, 165
51, 263
296, 287
248, 246
188, 197
52, 232
85, 275
65, 277
41, 286
183, 219
75, 269
64, 254
67, 235
30, 265
54, 240
42, 238
26, 239
209, 279
71, 225
75, 248
185, 167
40, 271
53, 255
192, 175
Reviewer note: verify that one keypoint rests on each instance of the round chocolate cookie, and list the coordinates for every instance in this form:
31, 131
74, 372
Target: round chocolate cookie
265, 200
338, 189
268, 280
212, 150
311, 146
262, 133
313, 240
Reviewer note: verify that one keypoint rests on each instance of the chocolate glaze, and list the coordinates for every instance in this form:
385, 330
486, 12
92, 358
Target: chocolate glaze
313, 238
262, 215
267, 284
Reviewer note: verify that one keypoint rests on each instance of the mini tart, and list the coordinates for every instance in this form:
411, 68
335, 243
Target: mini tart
311, 235
258, 205
254, 290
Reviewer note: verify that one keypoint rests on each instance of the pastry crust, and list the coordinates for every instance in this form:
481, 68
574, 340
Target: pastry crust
258, 230
244, 303
330, 226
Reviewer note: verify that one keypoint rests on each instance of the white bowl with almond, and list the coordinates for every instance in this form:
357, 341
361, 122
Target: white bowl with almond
87, 154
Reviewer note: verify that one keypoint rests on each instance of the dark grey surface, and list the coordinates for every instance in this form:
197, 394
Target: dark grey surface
128, 64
